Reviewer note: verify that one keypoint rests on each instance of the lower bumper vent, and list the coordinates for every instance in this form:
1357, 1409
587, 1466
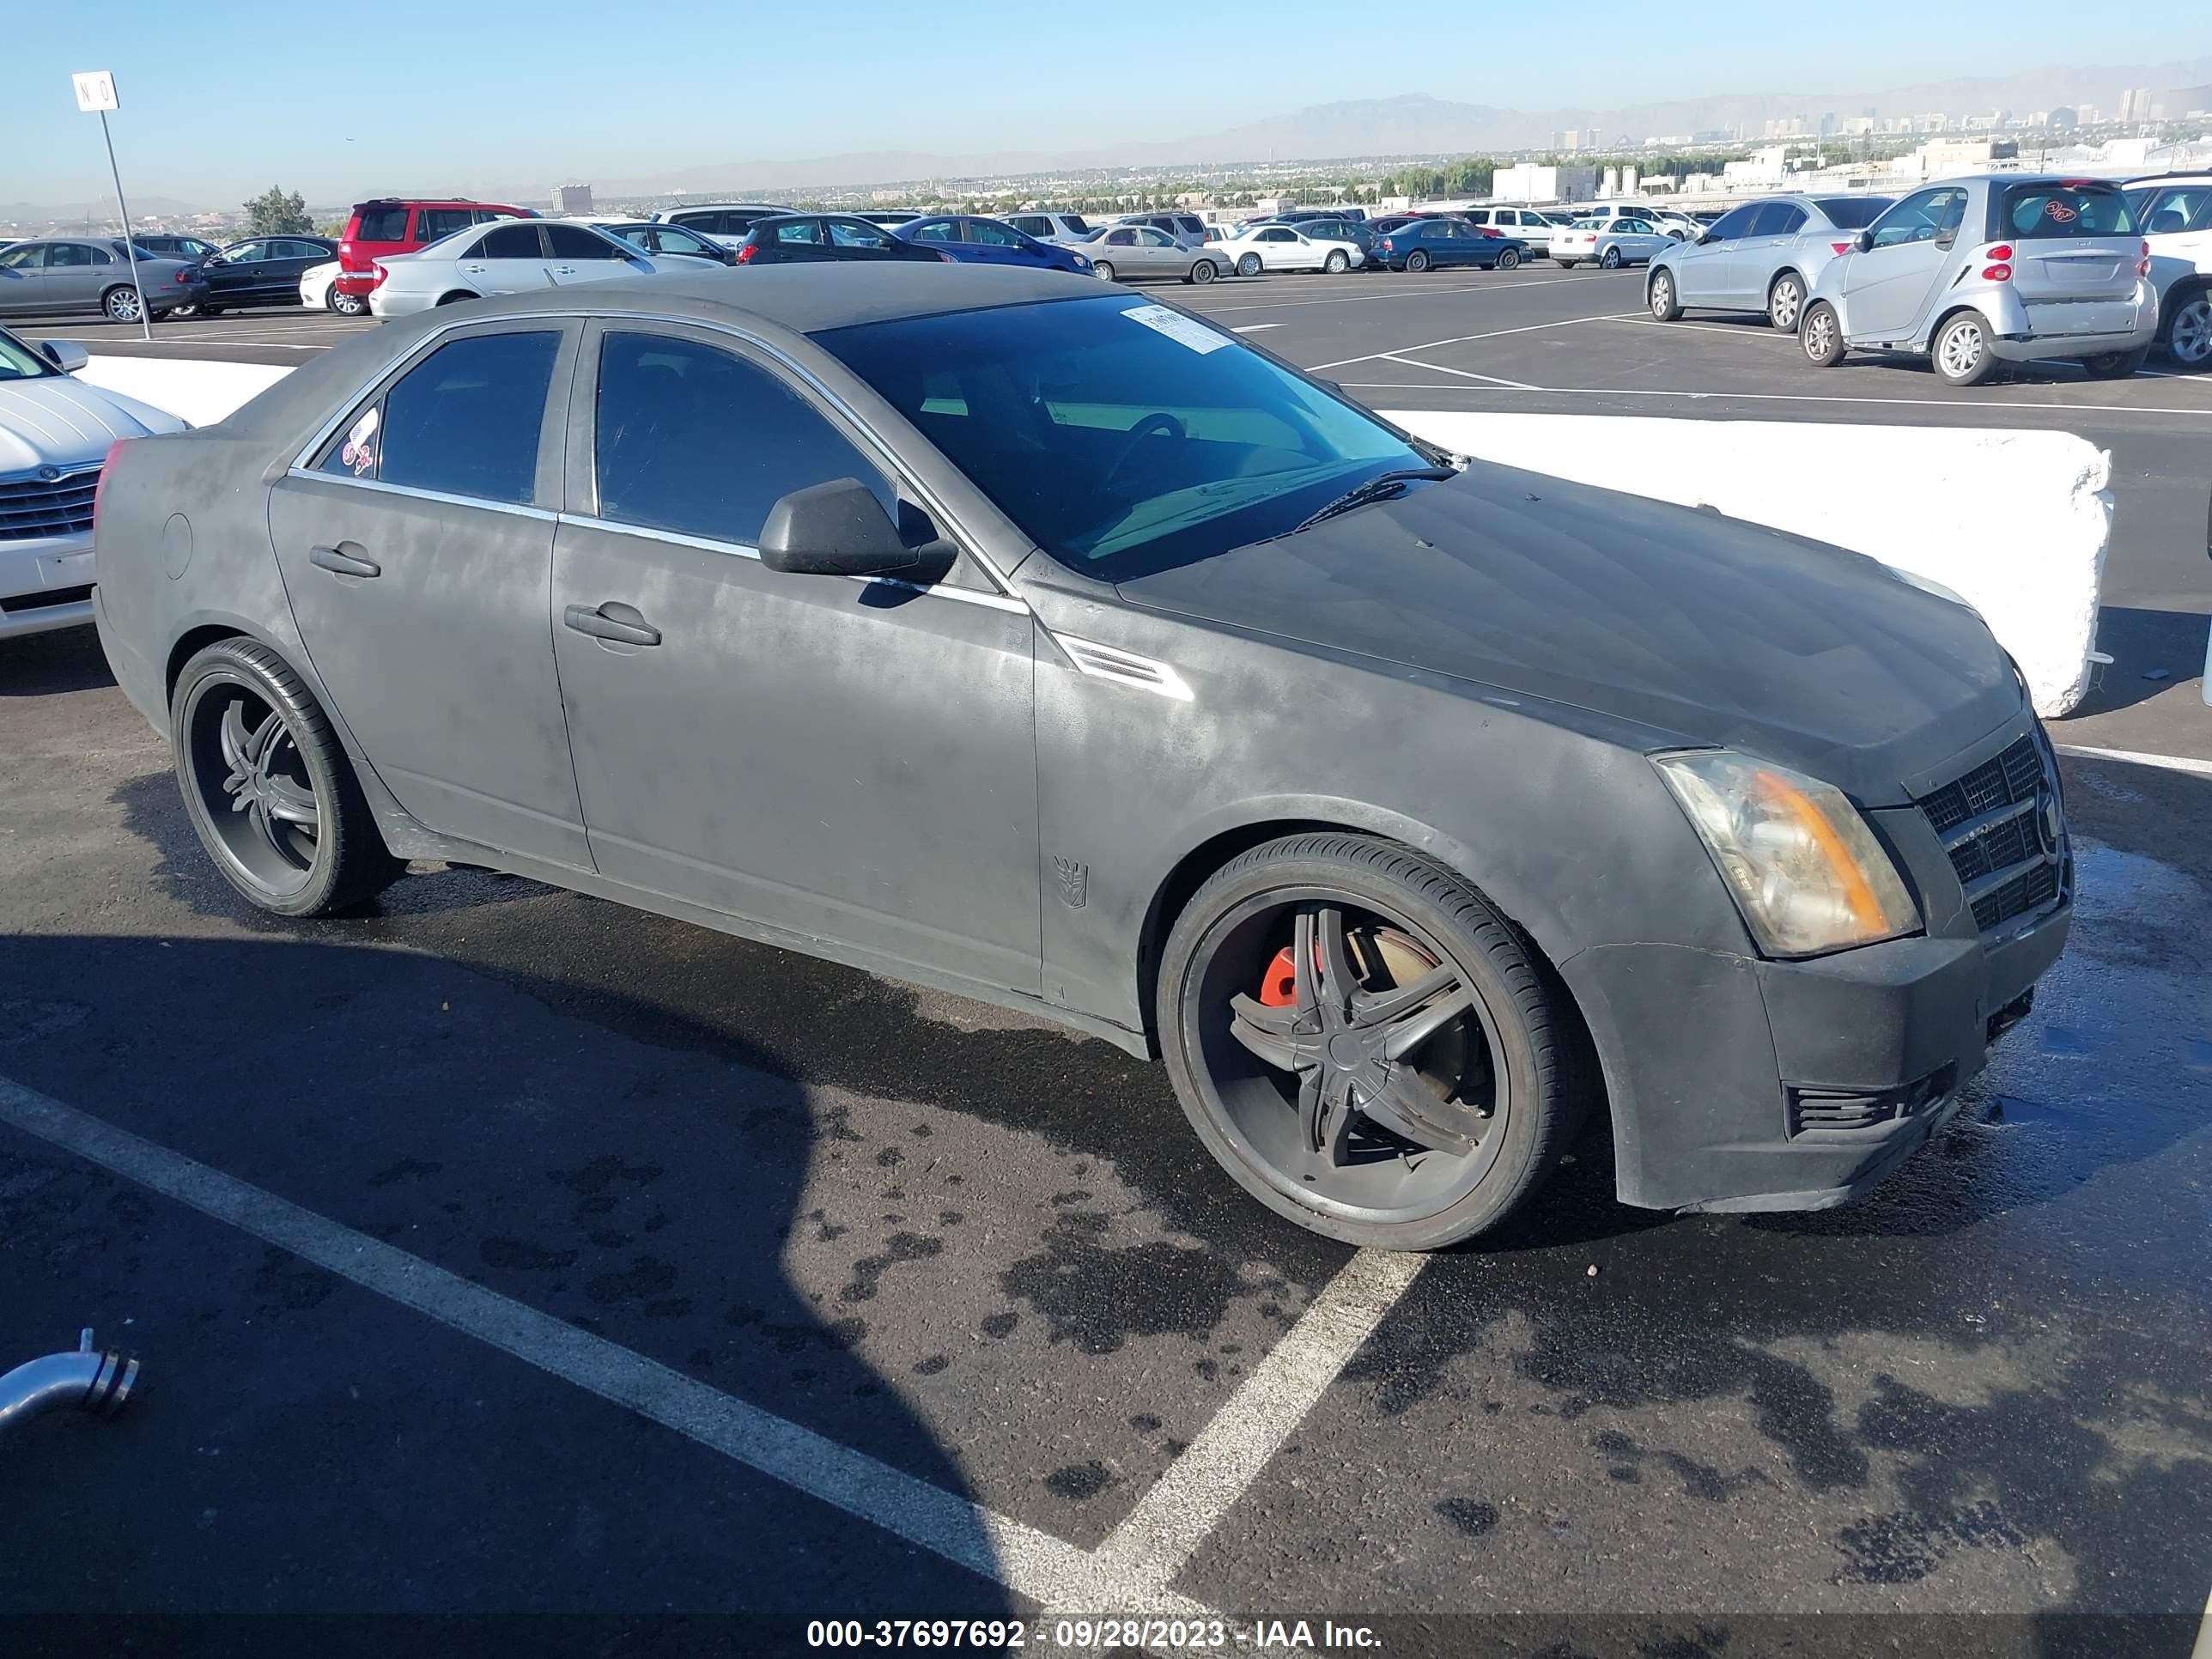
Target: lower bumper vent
1830, 1110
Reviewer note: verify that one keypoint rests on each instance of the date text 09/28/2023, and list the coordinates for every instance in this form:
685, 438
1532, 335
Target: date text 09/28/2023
1091, 1635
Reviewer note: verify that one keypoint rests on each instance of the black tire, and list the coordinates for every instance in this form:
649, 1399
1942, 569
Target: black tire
1959, 349
1820, 335
1509, 260
2184, 328
1337, 264
459, 296
1660, 294
346, 305
119, 304
204, 311
1565, 264
1610, 260
1203, 271
1103, 269
2116, 365
224, 749
1248, 264
190, 311
1416, 260
1785, 301
1381, 1188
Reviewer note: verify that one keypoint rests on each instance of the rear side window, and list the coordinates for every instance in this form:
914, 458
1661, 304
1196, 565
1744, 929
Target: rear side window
382, 225
1031, 225
431, 223
696, 440
1777, 219
2042, 212
463, 421
1853, 212
574, 242
510, 242
2187, 207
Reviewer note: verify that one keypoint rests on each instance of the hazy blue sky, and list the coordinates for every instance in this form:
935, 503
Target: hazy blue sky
336, 100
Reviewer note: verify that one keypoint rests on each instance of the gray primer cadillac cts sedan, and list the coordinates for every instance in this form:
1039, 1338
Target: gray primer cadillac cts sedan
1006, 633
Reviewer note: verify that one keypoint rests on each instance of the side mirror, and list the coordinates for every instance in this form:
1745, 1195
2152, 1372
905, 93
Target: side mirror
1863, 242
66, 355
834, 528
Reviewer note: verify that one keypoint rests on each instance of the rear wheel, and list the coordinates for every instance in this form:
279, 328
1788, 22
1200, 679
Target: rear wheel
1509, 260
1821, 336
2189, 330
1665, 307
1364, 1045
1785, 301
1248, 265
1611, 259
268, 788
2116, 365
120, 304
1960, 350
1416, 260
456, 297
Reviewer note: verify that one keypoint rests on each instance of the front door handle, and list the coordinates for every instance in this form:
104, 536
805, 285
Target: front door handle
622, 630
343, 564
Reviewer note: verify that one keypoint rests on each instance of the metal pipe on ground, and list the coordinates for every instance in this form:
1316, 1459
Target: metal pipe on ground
89, 1379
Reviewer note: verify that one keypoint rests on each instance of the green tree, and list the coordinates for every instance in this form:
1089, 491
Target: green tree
276, 214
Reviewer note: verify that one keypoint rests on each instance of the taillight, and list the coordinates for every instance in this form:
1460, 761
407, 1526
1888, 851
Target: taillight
2142, 265
2002, 250
745, 254
100, 484
1997, 273
186, 275
377, 273
345, 250
1999, 269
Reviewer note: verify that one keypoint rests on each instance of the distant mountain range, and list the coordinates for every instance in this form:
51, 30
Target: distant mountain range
1414, 124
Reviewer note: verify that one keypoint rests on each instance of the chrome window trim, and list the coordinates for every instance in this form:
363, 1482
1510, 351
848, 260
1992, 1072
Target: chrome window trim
302, 463
520, 509
746, 550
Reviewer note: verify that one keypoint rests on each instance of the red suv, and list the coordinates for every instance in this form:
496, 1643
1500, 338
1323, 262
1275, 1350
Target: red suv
390, 225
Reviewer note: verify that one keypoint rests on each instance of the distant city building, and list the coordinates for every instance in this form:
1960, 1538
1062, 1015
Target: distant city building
2063, 119
1527, 181
574, 200
2134, 104
1575, 138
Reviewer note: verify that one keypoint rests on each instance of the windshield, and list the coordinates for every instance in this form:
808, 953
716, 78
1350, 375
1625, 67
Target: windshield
1121, 436
18, 361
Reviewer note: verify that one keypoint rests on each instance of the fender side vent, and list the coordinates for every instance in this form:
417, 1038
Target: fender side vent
1105, 662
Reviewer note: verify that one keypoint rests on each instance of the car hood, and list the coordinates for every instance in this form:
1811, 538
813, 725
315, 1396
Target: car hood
1702, 628
59, 421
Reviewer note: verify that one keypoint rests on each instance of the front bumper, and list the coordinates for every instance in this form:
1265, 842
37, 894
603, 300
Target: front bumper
45, 583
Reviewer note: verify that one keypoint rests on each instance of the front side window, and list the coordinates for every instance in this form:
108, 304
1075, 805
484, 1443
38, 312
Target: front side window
938, 230
17, 361
852, 233
1153, 238
694, 439
2036, 213
1121, 436
31, 256
463, 421
1854, 212
1735, 223
574, 242
1923, 217
510, 242
247, 252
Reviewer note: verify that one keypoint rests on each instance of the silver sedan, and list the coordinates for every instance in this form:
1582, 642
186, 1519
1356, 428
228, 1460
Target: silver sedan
1121, 252
1764, 256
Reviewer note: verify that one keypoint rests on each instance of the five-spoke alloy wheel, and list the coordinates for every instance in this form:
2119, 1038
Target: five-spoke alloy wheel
1364, 1044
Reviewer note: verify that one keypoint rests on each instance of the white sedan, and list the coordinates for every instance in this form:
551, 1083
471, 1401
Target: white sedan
1282, 248
1614, 241
507, 256
318, 292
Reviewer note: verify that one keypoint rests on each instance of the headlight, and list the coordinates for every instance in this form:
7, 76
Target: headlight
1806, 871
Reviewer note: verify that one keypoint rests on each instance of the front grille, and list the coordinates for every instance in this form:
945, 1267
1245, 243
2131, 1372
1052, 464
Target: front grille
32, 508
1993, 825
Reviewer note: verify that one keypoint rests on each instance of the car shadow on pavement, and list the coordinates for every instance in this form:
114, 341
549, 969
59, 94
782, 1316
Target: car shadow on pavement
2169, 643
50, 665
643, 1193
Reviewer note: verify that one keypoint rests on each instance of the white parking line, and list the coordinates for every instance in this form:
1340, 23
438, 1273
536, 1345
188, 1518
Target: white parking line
1463, 374
1027, 1561
1158, 1537
1463, 340
1254, 328
1743, 333
1398, 289
1991, 408
2135, 757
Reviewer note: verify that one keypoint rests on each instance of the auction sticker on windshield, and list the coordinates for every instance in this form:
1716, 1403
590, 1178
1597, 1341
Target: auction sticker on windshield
1182, 329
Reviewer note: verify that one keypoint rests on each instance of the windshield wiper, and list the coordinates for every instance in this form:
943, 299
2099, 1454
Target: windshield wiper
1382, 487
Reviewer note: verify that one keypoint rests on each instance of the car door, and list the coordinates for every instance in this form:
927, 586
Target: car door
856, 239
23, 279
1119, 249
77, 273
1885, 289
1284, 249
1703, 273
287, 259
237, 277
1159, 254
507, 258
577, 255
832, 758
416, 548
1766, 247
1004, 245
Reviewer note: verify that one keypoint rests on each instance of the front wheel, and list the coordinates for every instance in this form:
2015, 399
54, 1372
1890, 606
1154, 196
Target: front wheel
1961, 350
1364, 1044
1509, 260
2116, 365
1821, 337
1336, 265
1416, 260
1666, 307
1203, 272
268, 788
1249, 266
1611, 261
1785, 302
192, 311
1103, 269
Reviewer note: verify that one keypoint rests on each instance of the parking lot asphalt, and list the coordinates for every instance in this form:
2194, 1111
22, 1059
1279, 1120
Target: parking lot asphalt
502, 1250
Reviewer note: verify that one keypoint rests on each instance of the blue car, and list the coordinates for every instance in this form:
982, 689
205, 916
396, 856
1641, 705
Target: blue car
1425, 244
975, 240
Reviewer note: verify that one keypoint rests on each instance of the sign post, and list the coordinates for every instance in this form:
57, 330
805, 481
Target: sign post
96, 96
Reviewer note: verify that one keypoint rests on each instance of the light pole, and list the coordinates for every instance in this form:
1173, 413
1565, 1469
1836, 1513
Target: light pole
96, 96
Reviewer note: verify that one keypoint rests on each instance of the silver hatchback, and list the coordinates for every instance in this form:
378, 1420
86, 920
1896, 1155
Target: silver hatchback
1976, 272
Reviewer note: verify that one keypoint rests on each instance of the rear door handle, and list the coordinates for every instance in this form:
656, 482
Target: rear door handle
601, 626
343, 564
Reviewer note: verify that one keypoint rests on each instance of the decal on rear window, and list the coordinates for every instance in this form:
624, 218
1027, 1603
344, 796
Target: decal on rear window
359, 450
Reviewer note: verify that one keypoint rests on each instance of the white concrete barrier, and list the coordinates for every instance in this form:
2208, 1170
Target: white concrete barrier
2016, 523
